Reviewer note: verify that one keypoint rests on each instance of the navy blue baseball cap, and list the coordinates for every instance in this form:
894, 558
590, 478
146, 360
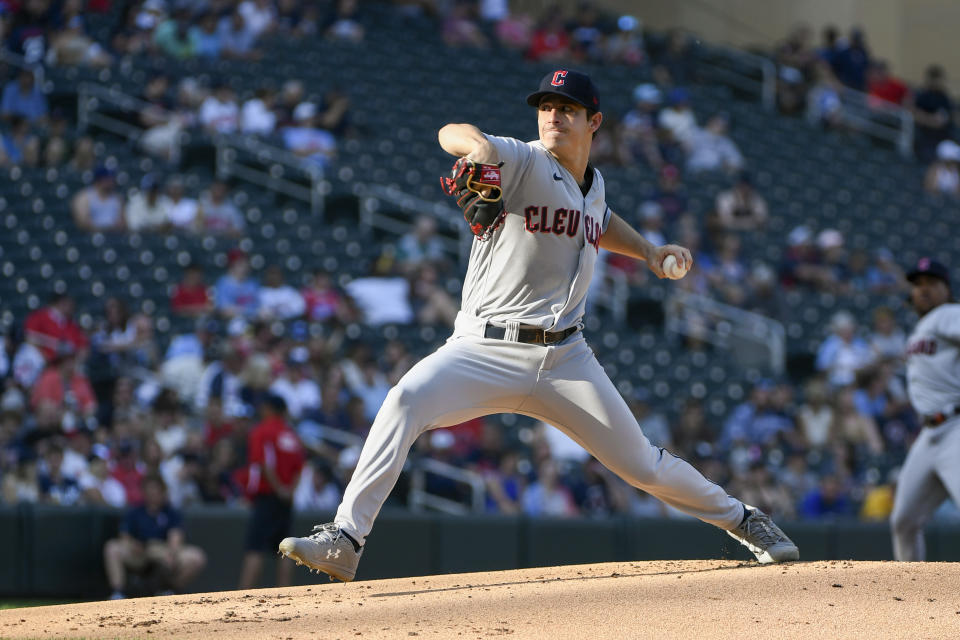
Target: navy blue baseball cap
569, 84
929, 267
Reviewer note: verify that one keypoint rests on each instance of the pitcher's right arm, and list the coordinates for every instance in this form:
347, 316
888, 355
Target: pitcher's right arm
466, 140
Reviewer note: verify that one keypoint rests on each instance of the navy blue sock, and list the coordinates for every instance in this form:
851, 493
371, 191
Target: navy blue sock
356, 545
746, 514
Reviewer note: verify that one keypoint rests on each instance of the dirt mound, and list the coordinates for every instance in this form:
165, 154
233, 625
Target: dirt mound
667, 599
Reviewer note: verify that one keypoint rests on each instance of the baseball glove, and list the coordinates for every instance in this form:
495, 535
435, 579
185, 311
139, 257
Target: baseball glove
477, 189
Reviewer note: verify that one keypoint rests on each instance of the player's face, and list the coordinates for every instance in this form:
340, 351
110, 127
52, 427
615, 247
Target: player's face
928, 293
563, 124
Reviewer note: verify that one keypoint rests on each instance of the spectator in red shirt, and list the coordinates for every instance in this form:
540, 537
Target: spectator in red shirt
324, 301
218, 427
551, 41
190, 297
881, 85
275, 458
52, 327
126, 470
63, 396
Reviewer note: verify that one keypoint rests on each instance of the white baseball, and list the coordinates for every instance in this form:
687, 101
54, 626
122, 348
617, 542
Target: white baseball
672, 269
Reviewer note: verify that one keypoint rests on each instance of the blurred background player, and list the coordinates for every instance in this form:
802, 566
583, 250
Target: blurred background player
930, 474
275, 458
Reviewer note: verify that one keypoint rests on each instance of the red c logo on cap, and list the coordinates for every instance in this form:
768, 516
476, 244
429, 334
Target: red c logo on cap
558, 78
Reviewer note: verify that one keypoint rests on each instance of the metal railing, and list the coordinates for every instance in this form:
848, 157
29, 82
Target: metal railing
878, 119
373, 215
314, 434
612, 294
16, 60
91, 98
240, 156
268, 166
419, 499
727, 327
746, 72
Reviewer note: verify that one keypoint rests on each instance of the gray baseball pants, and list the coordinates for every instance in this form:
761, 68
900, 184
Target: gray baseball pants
562, 385
930, 474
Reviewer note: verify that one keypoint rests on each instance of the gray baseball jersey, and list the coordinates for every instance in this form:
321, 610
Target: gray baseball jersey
930, 474
537, 267
933, 360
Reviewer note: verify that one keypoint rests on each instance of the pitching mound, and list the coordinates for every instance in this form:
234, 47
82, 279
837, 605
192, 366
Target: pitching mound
668, 599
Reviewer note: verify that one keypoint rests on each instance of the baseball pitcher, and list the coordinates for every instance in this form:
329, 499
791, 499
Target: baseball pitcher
539, 214
931, 473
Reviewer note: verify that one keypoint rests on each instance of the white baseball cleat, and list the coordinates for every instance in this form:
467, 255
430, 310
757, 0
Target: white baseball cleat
764, 539
327, 550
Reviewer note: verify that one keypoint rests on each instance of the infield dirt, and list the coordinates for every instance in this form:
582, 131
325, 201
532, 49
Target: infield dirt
663, 599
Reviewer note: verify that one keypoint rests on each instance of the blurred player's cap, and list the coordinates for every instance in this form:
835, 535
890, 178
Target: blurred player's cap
102, 172
651, 210
12, 401
929, 267
799, 235
628, 23
648, 93
298, 355
829, 239
276, 402
884, 254
237, 327
842, 320
208, 325
149, 182
304, 111
570, 84
948, 150
679, 95
299, 330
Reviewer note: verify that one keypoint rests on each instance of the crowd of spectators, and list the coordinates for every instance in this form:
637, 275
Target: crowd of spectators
818, 80
87, 415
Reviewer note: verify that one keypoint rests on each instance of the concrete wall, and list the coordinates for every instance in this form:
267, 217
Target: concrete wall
909, 33
57, 552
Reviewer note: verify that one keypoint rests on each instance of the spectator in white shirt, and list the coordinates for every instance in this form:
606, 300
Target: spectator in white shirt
99, 487
296, 386
306, 140
420, 244
148, 209
278, 300
316, 490
236, 40
184, 212
711, 149
887, 339
257, 116
219, 112
218, 213
678, 118
651, 223
843, 353
370, 385
259, 15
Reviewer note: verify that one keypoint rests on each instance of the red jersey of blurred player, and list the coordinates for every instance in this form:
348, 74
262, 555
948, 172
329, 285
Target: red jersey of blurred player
273, 447
275, 458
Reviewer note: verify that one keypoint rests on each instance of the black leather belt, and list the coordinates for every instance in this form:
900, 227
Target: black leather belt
937, 419
530, 335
